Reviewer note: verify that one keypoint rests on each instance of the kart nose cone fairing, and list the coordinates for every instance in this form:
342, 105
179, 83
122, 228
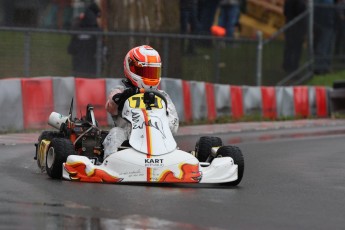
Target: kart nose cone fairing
131, 166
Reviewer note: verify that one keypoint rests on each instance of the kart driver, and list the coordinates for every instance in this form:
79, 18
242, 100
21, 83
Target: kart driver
142, 68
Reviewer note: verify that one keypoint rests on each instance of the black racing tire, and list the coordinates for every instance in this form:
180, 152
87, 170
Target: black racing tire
204, 145
49, 135
45, 135
236, 154
59, 150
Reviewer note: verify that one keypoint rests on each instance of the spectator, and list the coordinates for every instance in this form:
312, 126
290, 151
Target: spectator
229, 15
207, 11
294, 34
83, 47
59, 14
189, 22
340, 30
8, 7
324, 24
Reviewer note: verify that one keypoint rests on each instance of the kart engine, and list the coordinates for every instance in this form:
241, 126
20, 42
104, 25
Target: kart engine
84, 133
88, 139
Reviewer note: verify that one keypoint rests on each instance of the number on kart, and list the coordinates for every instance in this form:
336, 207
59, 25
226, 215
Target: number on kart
137, 102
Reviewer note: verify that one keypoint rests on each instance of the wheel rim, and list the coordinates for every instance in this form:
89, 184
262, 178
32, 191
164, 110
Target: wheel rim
50, 157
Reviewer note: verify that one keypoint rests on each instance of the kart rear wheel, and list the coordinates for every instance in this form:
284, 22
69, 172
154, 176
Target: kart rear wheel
45, 135
59, 150
236, 154
204, 145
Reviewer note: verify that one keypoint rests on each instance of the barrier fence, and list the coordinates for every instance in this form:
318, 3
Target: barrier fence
27, 102
28, 52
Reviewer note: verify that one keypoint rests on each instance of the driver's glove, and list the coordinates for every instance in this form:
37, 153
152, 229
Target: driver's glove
120, 98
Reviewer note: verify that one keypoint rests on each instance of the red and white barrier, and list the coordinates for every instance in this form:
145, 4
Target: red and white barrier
320, 102
236, 101
222, 102
269, 102
92, 91
11, 105
187, 102
301, 101
64, 91
173, 87
26, 103
37, 101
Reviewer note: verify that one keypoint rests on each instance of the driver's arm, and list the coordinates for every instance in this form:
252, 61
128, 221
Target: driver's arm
173, 116
110, 105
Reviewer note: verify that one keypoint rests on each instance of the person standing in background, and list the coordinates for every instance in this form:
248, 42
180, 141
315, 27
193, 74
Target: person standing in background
83, 47
207, 11
340, 30
294, 34
324, 29
58, 15
189, 23
229, 15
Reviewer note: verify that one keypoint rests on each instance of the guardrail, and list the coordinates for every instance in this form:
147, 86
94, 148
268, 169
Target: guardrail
27, 102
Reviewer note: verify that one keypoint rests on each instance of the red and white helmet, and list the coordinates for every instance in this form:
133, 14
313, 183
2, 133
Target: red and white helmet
142, 66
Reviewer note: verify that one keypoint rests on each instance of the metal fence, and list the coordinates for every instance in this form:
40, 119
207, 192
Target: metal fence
40, 52
30, 52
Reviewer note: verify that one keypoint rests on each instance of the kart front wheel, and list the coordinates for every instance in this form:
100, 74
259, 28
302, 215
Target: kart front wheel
236, 154
45, 135
59, 150
204, 145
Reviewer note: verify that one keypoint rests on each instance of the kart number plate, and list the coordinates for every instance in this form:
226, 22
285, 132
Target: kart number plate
137, 102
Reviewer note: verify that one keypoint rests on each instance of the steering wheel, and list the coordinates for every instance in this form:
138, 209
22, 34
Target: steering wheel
149, 96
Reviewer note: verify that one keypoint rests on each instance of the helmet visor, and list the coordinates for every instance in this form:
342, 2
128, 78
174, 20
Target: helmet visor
148, 72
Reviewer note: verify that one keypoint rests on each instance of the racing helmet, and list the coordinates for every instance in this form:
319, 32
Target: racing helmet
142, 66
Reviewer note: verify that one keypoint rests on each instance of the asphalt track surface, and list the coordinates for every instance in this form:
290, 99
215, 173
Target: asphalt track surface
294, 179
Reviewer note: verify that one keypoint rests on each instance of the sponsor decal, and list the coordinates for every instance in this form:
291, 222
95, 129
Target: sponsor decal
77, 172
188, 174
133, 173
138, 124
150, 162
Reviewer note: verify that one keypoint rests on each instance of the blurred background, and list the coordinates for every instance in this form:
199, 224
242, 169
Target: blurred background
238, 42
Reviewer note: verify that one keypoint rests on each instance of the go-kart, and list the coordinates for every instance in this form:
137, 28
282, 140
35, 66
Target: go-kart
151, 155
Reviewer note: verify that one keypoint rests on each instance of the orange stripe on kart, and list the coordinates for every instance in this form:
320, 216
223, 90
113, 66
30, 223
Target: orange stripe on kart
148, 132
148, 143
148, 174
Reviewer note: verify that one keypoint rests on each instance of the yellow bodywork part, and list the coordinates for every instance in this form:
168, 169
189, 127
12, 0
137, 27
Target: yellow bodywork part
42, 152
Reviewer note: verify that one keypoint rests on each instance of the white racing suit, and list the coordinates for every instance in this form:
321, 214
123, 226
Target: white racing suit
122, 129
